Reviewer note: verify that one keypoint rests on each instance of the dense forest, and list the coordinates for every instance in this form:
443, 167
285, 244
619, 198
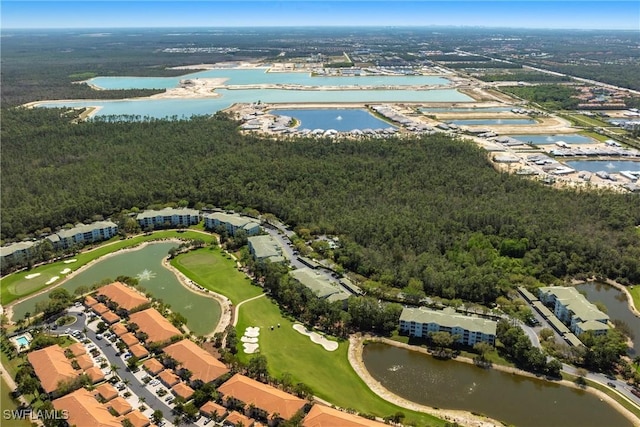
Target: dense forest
428, 212
550, 96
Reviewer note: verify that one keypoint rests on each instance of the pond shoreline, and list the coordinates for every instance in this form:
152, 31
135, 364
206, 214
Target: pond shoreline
356, 348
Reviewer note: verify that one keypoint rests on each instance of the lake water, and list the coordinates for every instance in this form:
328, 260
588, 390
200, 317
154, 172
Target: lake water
552, 139
202, 313
474, 122
340, 119
617, 307
260, 76
517, 400
466, 110
185, 108
604, 165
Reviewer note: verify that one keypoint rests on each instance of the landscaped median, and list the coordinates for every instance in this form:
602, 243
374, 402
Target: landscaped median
17, 285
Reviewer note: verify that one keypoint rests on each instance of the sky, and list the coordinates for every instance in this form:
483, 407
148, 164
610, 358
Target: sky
585, 14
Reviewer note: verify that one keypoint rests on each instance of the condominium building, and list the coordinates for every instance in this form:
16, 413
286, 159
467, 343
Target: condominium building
572, 308
320, 285
168, 217
420, 322
82, 234
16, 252
265, 247
232, 223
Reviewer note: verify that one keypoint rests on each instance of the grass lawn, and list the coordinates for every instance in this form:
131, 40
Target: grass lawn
635, 294
7, 404
606, 390
329, 374
211, 269
16, 286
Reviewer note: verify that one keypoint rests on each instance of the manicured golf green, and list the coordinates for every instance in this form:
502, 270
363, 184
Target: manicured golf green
329, 374
214, 270
17, 286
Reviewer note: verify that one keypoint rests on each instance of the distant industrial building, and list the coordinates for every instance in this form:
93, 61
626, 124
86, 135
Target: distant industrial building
232, 222
572, 308
168, 217
265, 248
320, 285
420, 322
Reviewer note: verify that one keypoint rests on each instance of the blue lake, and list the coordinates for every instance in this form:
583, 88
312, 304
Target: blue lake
340, 119
494, 122
260, 76
552, 139
185, 108
466, 110
604, 165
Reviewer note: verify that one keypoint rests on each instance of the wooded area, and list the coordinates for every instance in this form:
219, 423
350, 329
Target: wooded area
430, 211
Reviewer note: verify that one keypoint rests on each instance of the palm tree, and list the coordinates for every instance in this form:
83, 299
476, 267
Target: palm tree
114, 369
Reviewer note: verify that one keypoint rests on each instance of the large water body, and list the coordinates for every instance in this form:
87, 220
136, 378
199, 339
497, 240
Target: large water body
552, 139
514, 399
474, 122
343, 120
466, 110
617, 307
202, 313
260, 76
604, 165
185, 107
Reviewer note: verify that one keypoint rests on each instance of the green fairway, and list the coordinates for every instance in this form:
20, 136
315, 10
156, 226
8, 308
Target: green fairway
213, 270
8, 404
17, 286
635, 294
329, 374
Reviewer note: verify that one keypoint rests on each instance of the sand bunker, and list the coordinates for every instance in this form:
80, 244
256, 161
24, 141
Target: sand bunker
31, 276
69, 261
53, 279
65, 271
317, 338
250, 339
250, 348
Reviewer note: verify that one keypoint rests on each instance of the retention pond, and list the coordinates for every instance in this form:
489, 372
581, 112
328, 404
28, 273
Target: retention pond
514, 399
202, 313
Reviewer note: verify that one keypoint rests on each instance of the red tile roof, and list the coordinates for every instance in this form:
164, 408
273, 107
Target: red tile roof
202, 364
90, 301
137, 418
77, 349
265, 397
129, 339
100, 308
151, 322
168, 378
95, 374
153, 366
85, 410
123, 295
84, 361
52, 367
139, 351
110, 317
324, 416
182, 390
211, 408
107, 391
120, 405
119, 329
236, 418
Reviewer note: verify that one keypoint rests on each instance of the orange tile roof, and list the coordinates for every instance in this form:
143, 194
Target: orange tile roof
95, 374
154, 325
236, 418
129, 339
51, 367
100, 308
201, 363
153, 366
119, 329
123, 295
182, 390
107, 391
85, 410
324, 416
137, 418
168, 378
110, 317
90, 301
77, 349
120, 405
211, 408
265, 397
139, 351
84, 361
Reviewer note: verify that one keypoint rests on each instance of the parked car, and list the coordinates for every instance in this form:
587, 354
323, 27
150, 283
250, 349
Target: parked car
610, 384
98, 336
